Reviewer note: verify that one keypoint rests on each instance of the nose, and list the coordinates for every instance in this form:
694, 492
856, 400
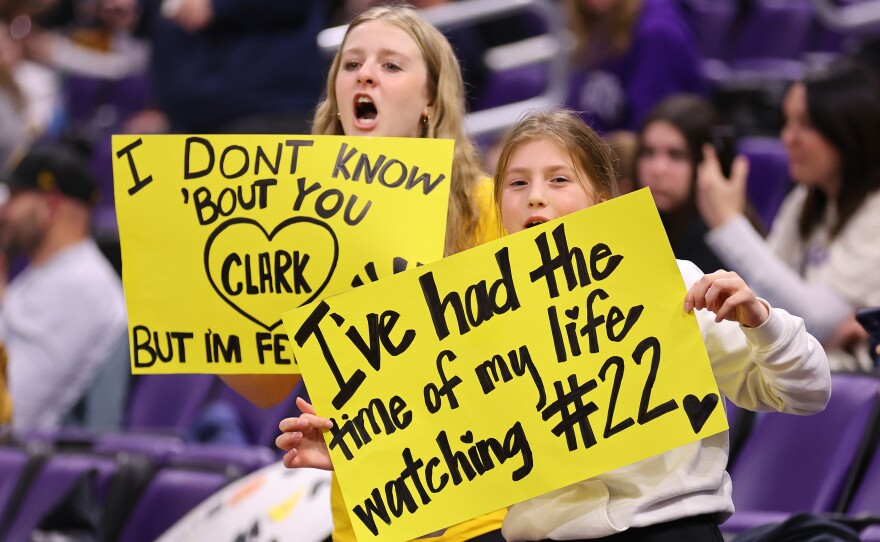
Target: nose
366, 75
787, 135
654, 164
651, 169
537, 195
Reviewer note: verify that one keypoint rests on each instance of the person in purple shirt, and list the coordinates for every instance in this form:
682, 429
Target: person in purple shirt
629, 55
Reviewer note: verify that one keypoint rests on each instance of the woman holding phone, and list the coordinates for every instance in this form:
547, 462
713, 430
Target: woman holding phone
820, 259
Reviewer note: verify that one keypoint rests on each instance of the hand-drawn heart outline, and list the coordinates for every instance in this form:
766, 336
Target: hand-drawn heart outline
269, 236
699, 410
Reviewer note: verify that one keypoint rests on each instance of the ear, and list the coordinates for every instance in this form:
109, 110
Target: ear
54, 199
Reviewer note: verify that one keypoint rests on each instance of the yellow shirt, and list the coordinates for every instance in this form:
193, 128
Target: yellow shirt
489, 227
5, 398
343, 531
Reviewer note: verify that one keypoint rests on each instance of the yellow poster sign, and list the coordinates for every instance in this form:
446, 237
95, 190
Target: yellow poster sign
509, 370
222, 234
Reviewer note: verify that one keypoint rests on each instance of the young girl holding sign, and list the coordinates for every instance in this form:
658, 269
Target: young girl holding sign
551, 165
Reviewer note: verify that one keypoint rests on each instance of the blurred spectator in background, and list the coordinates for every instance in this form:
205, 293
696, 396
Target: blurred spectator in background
101, 46
236, 66
629, 54
670, 148
38, 85
104, 73
821, 259
64, 314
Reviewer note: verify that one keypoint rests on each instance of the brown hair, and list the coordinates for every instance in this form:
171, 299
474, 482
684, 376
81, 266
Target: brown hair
446, 91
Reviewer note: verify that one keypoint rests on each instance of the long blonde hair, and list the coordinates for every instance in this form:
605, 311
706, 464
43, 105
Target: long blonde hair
598, 37
446, 91
589, 153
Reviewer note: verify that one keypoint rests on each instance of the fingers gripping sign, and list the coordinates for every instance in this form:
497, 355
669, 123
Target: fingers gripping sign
302, 437
727, 295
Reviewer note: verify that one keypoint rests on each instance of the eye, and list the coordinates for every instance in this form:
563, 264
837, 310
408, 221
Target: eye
559, 180
679, 155
392, 67
350, 65
515, 183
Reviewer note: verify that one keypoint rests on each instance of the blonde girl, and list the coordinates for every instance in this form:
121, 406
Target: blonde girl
395, 75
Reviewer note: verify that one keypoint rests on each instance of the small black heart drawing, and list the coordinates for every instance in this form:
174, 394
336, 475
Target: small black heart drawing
297, 232
572, 313
698, 411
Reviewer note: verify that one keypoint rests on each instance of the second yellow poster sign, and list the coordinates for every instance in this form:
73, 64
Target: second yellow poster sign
222, 234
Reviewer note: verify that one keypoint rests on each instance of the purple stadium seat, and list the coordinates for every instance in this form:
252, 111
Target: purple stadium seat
871, 534
762, 51
826, 40
161, 449
768, 181
167, 403
800, 464
713, 23
513, 85
171, 451
766, 70
740, 423
244, 459
733, 413
168, 497
866, 496
57, 477
63, 437
12, 463
775, 29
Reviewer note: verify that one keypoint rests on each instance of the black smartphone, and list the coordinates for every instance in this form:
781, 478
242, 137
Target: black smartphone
724, 141
870, 320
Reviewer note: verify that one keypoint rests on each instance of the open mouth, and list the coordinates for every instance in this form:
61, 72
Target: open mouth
532, 222
365, 110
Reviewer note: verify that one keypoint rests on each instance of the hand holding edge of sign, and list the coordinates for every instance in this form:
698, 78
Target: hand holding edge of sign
727, 295
302, 437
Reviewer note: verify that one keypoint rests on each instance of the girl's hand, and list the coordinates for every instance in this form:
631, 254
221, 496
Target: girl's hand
720, 199
727, 295
302, 438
